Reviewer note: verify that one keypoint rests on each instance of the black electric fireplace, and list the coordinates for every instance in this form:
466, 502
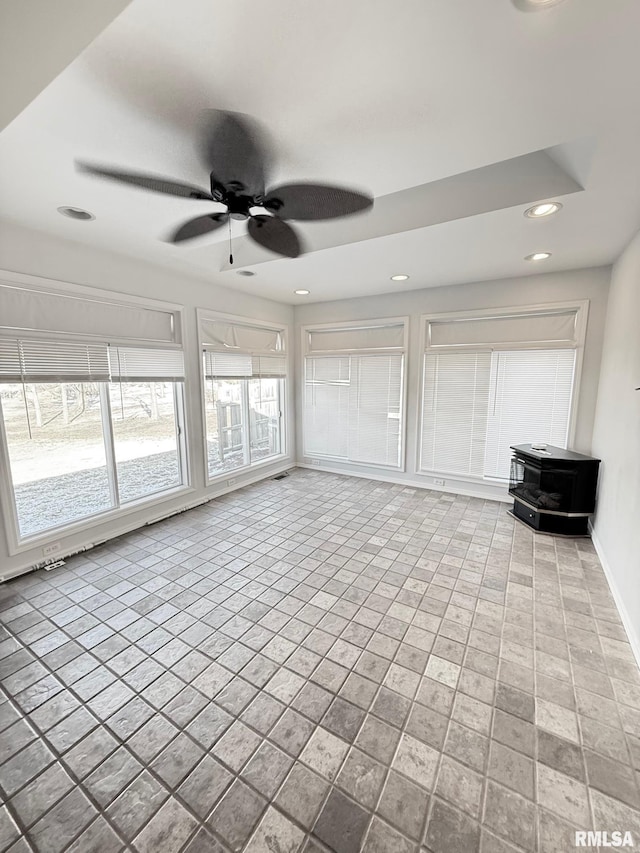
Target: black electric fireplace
554, 490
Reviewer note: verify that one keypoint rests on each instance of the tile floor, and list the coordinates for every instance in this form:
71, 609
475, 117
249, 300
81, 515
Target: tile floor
319, 663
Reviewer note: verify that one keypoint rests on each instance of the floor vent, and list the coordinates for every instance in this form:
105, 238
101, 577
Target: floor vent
281, 476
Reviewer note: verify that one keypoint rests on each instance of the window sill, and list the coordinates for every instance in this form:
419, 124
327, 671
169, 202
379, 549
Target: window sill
340, 460
234, 473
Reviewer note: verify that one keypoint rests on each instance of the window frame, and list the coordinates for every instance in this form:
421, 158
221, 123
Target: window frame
581, 308
402, 351
18, 543
204, 314
8, 510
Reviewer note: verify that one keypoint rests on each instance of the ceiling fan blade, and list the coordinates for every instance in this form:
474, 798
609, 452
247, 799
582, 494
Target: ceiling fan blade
148, 182
275, 235
314, 201
234, 150
198, 226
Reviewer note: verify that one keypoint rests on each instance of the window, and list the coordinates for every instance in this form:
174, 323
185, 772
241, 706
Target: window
530, 400
88, 428
483, 392
145, 438
146, 413
244, 369
57, 454
353, 393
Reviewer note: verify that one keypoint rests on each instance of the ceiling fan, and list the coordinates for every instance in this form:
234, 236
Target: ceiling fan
236, 157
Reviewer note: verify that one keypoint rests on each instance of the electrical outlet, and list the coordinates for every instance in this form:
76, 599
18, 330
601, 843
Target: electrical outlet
438, 482
315, 461
231, 482
48, 550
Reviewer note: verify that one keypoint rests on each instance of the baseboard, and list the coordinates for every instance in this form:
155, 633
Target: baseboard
634, 641
412, 484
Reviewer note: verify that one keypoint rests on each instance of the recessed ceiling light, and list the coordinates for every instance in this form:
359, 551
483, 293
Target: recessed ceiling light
399, 277
301, 292
76, 213
534, 5
538, 211
244, 272
538, 256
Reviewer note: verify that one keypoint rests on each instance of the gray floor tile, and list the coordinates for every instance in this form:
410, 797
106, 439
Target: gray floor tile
275, 832
512, 769
404, 804
177, 760
43, 792
136, 804
98, 837
382, 838
204, 786
91, 751
302, 794
236, 746
24, 766
63, 822
612, 778
510, 816
460, 785
563, 795
292, 732
168, 830
113, 774
343, 719
341, 824
236, 815
267, 768
204, 842
362, 778
449, 829
561, 755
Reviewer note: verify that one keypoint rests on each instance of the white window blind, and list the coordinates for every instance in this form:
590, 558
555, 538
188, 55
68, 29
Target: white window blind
24, 310
454, 415
477, 404
221, 365
326, 406
377, 337
374, 409
530, 401
352, 408
37, 361
140, 364
73, 361
555, 327
225, 336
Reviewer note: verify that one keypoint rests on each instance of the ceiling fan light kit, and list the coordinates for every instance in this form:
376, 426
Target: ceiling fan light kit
236, 158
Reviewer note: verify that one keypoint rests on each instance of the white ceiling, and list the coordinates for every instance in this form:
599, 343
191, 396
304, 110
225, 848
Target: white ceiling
375, 94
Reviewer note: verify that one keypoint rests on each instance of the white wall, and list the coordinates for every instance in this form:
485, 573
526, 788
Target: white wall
38, 39
591, 284
616, 440
28, 252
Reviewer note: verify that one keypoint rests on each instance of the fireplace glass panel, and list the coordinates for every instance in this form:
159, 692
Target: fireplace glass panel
542, 488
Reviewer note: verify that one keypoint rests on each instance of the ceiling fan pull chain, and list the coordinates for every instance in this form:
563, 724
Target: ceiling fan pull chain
230, 251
